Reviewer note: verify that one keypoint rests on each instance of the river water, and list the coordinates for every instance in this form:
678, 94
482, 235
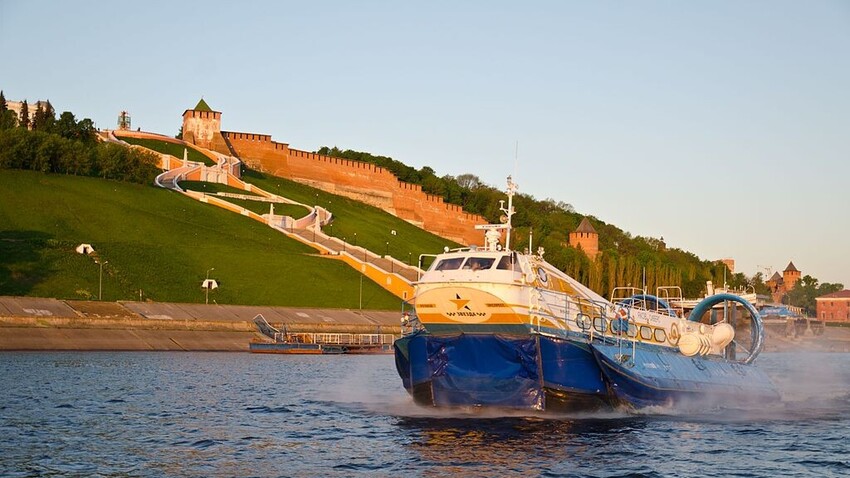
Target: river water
233, 414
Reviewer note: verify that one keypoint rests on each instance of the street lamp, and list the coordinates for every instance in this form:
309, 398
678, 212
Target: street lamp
343, 244
100, 281
207, 285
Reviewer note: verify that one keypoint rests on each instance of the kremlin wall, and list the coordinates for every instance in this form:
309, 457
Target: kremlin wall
363, 182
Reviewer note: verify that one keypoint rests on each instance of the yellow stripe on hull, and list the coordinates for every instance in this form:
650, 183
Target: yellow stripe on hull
468, 305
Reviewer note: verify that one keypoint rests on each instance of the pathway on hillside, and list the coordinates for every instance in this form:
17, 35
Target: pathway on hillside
393, 275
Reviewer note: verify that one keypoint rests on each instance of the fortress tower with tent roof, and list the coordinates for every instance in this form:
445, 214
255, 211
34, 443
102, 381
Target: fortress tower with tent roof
202, 126
585, 238
781, 284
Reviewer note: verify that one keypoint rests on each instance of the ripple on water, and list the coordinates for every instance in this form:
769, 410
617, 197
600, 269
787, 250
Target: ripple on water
210, 414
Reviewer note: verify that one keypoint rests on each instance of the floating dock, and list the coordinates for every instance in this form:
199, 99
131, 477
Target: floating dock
318, 342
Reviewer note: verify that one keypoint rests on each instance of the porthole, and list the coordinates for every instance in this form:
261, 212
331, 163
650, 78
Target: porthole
583, 321
632, 332
645, 332
600, 324
619, 326
660, 335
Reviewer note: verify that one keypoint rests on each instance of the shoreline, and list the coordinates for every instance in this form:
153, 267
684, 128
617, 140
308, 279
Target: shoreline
38, 324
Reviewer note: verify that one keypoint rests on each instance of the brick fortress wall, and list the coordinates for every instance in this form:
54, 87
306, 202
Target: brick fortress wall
357, 180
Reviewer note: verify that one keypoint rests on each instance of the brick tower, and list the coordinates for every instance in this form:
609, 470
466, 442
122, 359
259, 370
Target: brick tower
201, 125
790, 276
585, 238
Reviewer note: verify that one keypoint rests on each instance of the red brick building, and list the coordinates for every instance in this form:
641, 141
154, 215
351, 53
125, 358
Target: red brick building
834, 307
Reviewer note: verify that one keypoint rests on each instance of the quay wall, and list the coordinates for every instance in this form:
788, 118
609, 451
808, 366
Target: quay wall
29, 323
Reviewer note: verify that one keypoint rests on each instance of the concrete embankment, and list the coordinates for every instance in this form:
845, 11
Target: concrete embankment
28, 323
50, 324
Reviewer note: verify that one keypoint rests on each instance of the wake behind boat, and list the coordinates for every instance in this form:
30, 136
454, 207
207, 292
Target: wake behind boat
493, 327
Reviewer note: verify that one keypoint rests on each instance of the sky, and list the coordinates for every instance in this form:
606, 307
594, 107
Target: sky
723, 126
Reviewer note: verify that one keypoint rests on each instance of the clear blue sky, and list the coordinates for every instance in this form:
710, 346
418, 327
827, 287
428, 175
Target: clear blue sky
722, 126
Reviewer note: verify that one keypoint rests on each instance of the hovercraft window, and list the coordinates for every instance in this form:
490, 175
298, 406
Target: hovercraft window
449, 264
600, 324
660, 335
478, 263
645, 332
509, 263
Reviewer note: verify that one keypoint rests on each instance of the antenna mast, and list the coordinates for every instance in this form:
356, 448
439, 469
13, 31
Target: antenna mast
509, 211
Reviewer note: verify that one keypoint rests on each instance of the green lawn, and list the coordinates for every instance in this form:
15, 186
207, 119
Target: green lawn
160, 242
173, 149
211, 188
262, 207
358, 223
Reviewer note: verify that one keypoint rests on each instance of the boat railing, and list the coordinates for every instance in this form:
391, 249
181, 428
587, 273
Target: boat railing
581, 312
673, 296
335, 339
621, 294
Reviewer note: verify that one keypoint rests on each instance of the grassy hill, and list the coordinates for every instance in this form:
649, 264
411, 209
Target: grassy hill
173, 149
358, 223
161, 243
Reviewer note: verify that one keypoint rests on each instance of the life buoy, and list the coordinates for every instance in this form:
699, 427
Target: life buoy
621, 320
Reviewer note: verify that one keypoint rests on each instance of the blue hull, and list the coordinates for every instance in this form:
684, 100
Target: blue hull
656, 377
511, 371
539, 372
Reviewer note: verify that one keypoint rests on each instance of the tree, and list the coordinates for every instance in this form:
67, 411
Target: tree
66, 125
180, 133
7, 116
39, 119
24, 120
468, 181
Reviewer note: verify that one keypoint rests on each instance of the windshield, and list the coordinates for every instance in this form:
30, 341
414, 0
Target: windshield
479, 263
509, 263
449, 264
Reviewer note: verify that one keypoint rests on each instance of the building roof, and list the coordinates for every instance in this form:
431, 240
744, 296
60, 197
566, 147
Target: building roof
842, 294
585, 226
776, 277
791, 267
202, 106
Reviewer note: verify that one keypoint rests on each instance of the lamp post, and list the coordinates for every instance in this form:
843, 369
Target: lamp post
100, 281
207, 286
387, 255
343, 244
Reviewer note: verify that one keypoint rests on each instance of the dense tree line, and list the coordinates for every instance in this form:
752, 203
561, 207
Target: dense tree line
66, 146
624, 260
